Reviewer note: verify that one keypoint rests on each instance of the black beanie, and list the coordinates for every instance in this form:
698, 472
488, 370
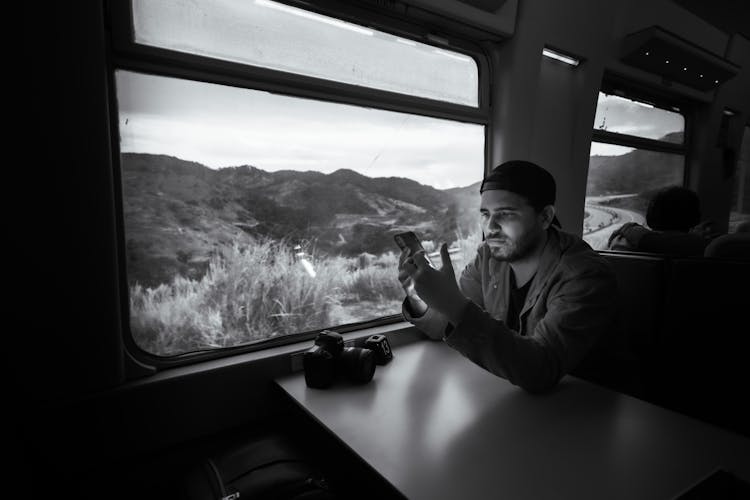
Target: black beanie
526, 179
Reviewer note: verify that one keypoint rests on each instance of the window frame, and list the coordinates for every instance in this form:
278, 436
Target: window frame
125, 54
614, 86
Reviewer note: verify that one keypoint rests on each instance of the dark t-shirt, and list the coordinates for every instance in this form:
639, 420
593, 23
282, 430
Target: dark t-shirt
517, 299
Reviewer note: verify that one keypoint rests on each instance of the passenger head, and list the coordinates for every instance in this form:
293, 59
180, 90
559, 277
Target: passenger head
673, 209
517, 207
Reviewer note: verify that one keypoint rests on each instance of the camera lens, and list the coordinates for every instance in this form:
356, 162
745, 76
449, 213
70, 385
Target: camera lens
358, 364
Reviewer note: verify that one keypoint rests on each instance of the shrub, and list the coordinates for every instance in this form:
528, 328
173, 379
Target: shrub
262, 291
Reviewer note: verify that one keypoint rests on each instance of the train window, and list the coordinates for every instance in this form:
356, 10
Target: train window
259, 208
625, 116
282, 37
637, 149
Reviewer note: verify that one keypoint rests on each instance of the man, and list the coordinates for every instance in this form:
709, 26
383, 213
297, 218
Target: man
673, 215
534, 300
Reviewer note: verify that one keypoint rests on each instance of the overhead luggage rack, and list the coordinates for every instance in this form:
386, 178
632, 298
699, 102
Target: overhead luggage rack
658, 51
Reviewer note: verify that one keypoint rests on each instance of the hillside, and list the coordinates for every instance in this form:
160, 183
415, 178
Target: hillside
634, 172
178, 213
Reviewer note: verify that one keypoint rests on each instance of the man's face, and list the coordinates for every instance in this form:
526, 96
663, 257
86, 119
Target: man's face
511, 226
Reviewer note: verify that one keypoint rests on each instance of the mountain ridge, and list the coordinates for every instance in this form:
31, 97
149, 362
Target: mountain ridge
179, 213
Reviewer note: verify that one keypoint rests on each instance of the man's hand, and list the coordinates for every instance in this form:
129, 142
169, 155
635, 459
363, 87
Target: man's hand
418, 306
631, 232
436, 288
705, 230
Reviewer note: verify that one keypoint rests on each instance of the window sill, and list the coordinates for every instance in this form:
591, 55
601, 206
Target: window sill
287, 357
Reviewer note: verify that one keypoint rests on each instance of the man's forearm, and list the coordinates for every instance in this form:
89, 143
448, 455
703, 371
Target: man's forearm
417, 307
431, 322
493, 346
455, 311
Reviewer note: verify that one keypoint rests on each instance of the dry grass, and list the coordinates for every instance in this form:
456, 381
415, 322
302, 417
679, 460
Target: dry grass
263, 291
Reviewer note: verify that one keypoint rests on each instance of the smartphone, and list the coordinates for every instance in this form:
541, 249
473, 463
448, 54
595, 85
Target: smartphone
410, 240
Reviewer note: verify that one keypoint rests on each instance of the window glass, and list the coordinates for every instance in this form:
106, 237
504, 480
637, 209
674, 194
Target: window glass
626, 116
621, 182
740, 212
250, 215
280, 37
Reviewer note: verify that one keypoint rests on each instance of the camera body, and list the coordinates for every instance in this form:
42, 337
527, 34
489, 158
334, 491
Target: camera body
328, 360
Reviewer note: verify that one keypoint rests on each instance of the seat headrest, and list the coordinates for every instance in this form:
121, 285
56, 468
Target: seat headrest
730, 246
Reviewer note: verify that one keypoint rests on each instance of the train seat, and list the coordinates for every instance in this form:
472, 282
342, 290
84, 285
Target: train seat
683, 336
730, 246
700, 367
618, 361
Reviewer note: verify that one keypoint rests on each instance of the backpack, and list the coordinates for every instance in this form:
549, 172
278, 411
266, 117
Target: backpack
268, 467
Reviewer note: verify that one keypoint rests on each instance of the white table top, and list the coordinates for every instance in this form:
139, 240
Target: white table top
436, 426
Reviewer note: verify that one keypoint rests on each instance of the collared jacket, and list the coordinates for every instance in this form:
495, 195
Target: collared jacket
572, 301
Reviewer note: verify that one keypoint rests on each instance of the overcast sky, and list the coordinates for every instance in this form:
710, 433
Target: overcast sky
221, 126
616, 114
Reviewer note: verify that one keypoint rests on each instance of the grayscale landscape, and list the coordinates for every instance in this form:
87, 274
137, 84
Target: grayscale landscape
222, 257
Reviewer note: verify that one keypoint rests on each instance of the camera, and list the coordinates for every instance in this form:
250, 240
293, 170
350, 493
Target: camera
328, 360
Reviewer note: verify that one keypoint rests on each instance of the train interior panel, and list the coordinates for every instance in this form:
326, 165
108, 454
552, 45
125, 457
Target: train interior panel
223, 181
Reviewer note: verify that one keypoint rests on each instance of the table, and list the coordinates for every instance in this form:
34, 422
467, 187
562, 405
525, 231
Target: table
440, 427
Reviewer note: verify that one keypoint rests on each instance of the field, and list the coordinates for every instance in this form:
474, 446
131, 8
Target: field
266, 290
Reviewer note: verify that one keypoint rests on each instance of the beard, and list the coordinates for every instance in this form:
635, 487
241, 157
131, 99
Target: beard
506, 249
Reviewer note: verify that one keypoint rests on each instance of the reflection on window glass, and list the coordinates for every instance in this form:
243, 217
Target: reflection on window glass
626, 116
277, 36
250, 215
621, 182
740, 212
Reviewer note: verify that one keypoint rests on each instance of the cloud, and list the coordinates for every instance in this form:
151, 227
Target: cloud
617, 114
602, 149
225, 126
